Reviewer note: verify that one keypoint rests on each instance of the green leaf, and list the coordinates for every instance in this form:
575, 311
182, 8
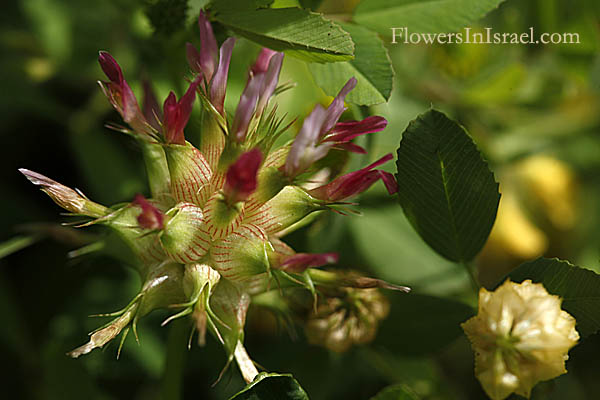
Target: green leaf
396, 392
578, 287
446, 189
272, 387
421, 15
420, 324
312, 4
300, 33
371, 66
395, 253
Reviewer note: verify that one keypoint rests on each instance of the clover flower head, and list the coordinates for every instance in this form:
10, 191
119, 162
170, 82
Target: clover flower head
207, 239
520, 337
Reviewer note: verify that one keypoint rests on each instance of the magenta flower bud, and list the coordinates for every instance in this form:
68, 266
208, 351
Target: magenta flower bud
120, 94
193, 58
150, 106
356, 182
246, 107
219, 80
343, 132
259, 89
270, 81
151, 217
208, 47
304, 150
262, 61
211, 63
110, 67
241, 178
177, 114
298, 263
336, 108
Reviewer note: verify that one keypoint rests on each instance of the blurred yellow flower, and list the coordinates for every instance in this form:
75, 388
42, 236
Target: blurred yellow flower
520, 337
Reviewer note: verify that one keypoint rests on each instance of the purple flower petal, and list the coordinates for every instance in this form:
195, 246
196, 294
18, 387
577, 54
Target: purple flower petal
336, 108
303, 151
262, 61
246, 107
219, 80
208, 47
270, 81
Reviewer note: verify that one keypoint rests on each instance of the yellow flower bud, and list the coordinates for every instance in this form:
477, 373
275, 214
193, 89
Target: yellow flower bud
520, 337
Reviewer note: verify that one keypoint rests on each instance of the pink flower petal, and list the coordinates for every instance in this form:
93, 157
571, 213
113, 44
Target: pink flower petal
346, 131
262, 61
356, 182
110, 67
300, 262
246, 107
351, 147
151, 217
120, 94
241, 178
219, 80
177, 114
208, 47
270, 82
336, 108
300, 155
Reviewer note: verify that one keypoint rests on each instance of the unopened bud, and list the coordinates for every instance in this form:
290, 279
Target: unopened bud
150, 217
64, 196
348, 319
241, 179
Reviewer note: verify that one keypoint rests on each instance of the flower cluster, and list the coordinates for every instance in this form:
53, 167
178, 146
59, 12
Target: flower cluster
520, 337
208, 238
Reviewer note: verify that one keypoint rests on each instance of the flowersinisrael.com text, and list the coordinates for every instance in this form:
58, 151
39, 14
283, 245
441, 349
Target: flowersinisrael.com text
484, 36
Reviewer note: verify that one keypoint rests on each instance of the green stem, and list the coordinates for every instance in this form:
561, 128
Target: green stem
471, 272
175, 363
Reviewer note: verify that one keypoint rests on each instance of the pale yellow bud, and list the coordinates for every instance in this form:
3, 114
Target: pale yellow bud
520, 337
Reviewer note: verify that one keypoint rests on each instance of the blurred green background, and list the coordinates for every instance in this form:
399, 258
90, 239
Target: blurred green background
533, 110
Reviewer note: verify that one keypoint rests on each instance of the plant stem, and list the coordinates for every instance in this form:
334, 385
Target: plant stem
471, 272
175, 363
246, 365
